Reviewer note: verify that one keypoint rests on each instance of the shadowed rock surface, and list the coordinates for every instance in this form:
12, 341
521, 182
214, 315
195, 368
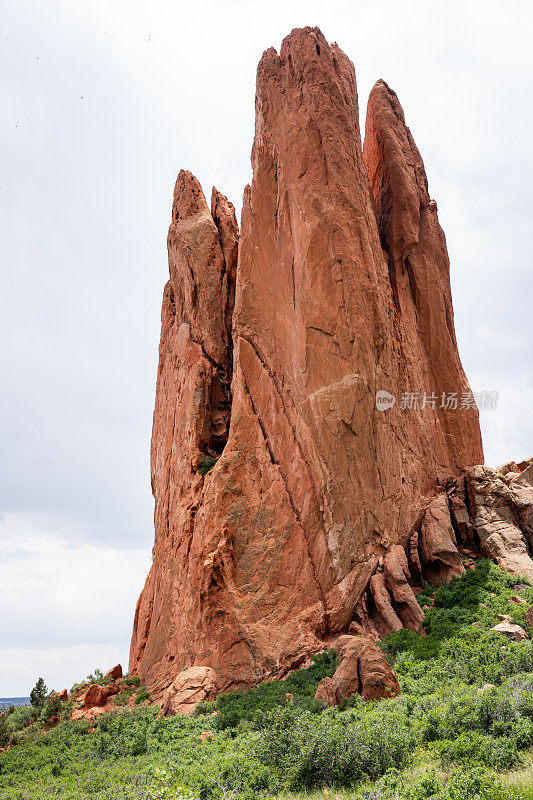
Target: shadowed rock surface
288, 508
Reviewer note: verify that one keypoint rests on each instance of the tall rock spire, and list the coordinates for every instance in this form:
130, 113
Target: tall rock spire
419, 268
268, 555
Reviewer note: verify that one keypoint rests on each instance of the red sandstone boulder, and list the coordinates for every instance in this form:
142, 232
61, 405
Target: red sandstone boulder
362, 670
383, 604
95, 696
325, 692
115, 673
282, 489
398, 579
94, 712
519, 600
205, 735
486, 688
188, 689
514, 632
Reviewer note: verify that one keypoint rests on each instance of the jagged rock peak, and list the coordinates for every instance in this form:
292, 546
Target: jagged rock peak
418, 264
291, 509
202, 249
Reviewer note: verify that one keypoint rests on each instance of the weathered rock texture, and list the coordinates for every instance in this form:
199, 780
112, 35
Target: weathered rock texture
311, 520
362, 670
502, 514
188, 689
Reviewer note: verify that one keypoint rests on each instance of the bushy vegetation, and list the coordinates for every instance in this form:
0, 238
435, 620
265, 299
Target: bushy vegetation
299, 688
206, 464
449, 736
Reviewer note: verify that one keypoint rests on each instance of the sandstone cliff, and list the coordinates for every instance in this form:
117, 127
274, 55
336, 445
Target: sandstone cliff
312, 522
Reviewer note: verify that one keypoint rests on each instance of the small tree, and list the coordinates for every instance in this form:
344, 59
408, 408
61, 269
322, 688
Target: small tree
52, 710
38, 694
4, 731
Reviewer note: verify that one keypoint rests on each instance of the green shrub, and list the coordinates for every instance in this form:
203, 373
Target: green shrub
206, 464
51, 711
205, 707
500, 753
142, 696
122, 734
301, 684
5, 735
276, 737
473, 784
331, 748
96, 677
130, 680
121, 699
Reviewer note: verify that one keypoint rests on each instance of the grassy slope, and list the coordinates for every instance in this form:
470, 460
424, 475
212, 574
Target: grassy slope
442, 739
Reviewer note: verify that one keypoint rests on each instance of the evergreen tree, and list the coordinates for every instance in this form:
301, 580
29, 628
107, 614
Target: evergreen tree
38, 694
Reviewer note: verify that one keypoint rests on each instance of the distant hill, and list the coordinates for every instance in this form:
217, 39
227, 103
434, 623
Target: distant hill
6, 702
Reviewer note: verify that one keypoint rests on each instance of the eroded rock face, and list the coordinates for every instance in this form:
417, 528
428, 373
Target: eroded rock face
271, 367
419, 270
502, 512
438, 544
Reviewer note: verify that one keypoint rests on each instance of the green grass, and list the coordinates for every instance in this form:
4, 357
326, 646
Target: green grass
442, 739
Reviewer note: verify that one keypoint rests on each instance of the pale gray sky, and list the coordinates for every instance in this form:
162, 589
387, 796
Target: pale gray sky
102, 103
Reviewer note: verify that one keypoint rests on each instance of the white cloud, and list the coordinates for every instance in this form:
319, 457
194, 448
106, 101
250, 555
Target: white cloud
507, 431
60, 667
61, 598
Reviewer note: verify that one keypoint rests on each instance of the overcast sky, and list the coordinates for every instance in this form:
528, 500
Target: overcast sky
102, 103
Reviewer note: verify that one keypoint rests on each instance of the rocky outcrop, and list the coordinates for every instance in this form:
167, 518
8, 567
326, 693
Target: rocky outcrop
97, 695
289, 507
362, 670
188, 689
501, 508
438, 544
507, 628
115, 673
483, 513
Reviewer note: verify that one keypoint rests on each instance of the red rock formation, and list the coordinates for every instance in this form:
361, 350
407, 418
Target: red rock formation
437, 543
188, 689
502, 516
114, 673
419, 269
362, 670
342, 290
96, 696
